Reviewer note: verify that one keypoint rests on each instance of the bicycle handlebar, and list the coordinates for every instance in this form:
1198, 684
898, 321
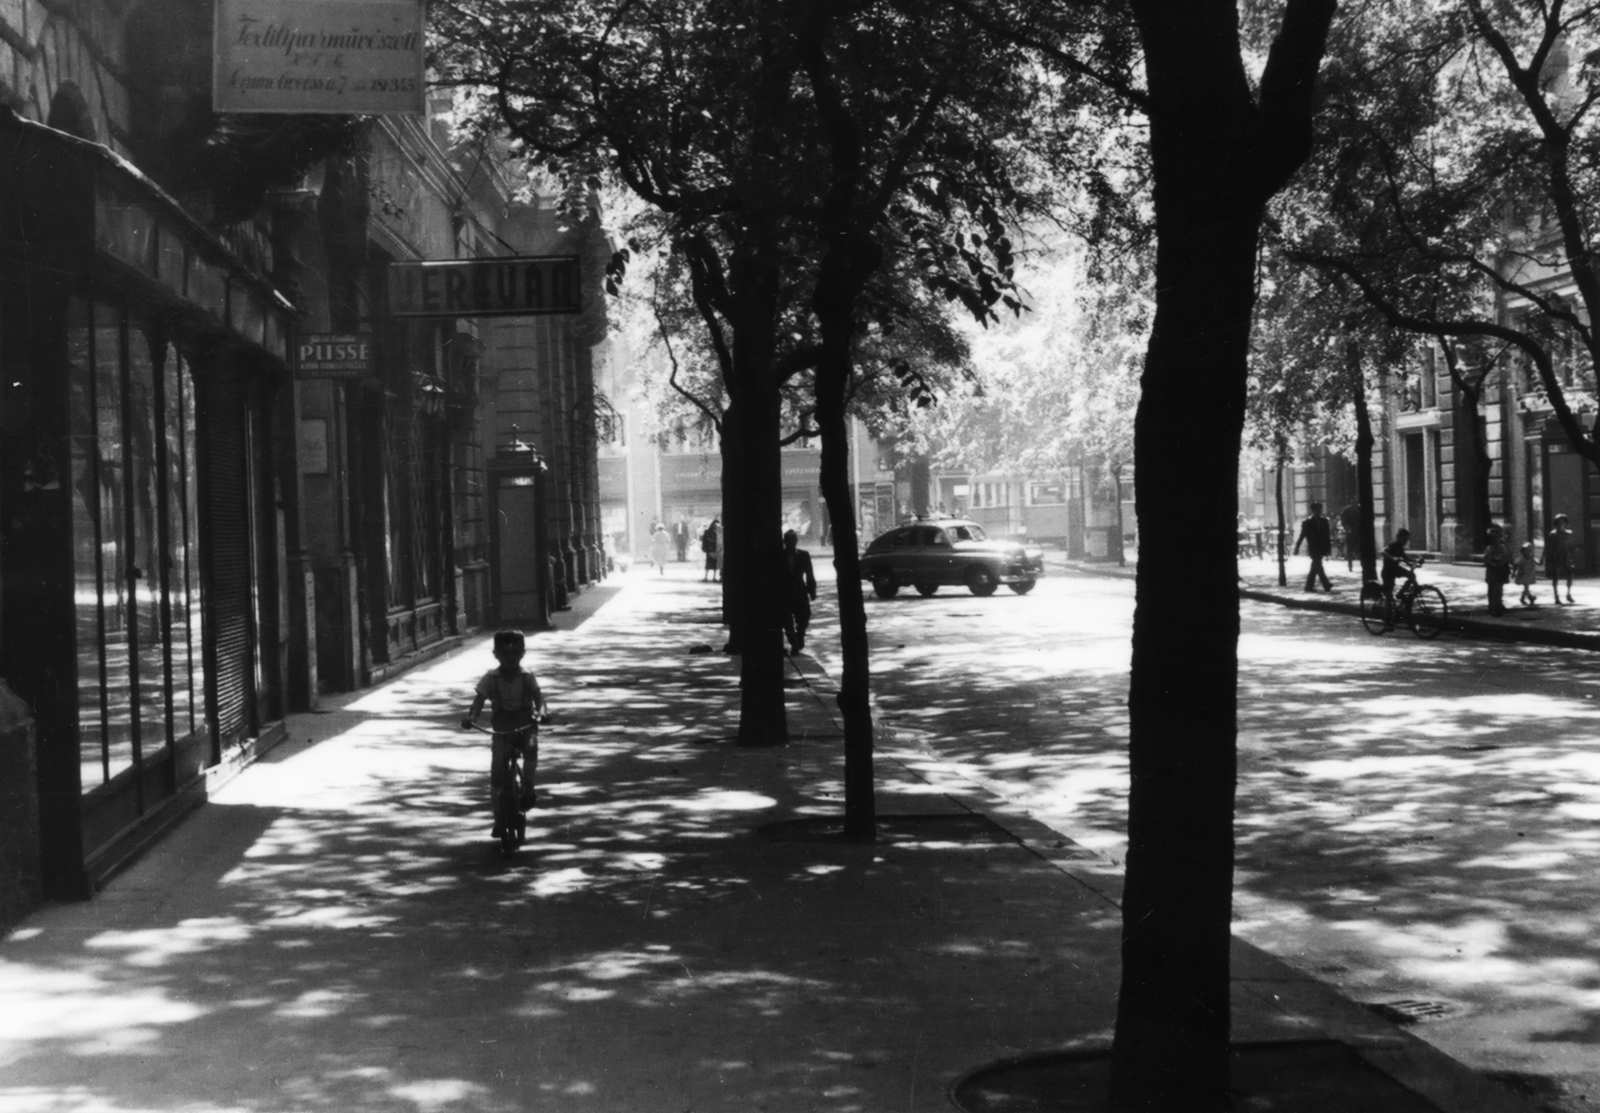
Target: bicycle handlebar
473, 724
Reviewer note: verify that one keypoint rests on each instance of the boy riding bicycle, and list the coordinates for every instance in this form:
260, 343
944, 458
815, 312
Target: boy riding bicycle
516, 705
1397, 565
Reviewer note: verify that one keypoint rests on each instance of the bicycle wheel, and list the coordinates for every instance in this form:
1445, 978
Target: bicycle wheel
509, 820
1374, 607
510, 816
1428, 612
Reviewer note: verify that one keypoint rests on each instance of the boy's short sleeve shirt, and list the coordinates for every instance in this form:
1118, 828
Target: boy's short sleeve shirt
510, 698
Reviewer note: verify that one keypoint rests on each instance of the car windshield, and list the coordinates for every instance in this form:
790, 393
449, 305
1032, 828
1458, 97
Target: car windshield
968, 533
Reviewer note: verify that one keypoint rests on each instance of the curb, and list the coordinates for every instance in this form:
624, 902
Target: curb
1484, 628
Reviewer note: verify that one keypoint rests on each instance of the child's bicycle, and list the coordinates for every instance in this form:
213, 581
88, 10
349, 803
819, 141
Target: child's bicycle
509, 818
1420, 606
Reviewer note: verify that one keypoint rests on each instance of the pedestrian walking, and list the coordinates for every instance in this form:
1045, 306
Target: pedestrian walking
660, 546
801, 584
1528, 575
1350, 522
1558, 556
709, 542
1316, 532
680, 540
1496, 569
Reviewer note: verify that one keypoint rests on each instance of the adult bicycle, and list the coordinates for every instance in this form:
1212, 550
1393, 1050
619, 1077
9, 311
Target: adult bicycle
1419, 606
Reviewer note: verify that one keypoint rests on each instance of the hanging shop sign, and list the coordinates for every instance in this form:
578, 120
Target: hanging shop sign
509, 286
355, 57
334, 355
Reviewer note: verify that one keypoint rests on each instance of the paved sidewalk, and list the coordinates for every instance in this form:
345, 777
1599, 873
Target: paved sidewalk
337, 931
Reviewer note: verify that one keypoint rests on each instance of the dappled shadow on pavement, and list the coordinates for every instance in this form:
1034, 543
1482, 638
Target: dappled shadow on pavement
1414, 819
337, 930
1437, 808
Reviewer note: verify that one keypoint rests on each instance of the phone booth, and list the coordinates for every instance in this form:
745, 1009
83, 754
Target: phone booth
519, 554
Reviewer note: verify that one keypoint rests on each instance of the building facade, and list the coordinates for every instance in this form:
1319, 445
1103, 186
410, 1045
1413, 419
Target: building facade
200, 530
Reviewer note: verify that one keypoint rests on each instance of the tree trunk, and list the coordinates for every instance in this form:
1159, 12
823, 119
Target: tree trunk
1170, 1049
1171, 1044
920, 471
1215, 158
1364, 442
756, 502
733, 617
850, 261
860, 807
1470, 422
1283, 556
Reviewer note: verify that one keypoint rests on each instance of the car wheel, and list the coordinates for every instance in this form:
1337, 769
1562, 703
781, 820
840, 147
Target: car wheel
884, 586
927, 589
981, 581
1022, 587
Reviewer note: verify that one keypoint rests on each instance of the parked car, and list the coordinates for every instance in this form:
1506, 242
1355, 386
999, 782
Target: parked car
931, 553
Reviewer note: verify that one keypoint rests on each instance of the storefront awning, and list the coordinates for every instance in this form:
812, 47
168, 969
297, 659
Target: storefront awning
70, 208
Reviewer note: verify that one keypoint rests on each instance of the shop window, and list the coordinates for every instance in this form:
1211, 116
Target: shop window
86, 547
145, 546
181, 573
133, 519
111, 483
413, 522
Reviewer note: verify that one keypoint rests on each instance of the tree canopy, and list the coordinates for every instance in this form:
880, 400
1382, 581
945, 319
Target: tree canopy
1456, 184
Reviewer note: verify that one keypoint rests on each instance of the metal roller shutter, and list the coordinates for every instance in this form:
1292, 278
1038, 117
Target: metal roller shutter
225, 541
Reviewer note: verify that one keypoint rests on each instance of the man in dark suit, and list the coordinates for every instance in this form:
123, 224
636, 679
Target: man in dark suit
1316, 533
801, 583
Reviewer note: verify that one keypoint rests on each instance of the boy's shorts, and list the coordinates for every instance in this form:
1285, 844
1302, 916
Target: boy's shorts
525, 746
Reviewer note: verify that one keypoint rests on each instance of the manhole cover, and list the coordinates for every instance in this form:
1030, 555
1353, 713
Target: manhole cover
1410, 1010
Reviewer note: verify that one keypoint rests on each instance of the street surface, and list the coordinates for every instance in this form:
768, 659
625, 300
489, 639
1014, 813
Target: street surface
1416, 820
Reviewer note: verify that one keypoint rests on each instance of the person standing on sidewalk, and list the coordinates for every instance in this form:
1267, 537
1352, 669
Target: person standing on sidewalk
708, 546
1558, 556
1316, 533
1497, 569
1350, 519
801, 584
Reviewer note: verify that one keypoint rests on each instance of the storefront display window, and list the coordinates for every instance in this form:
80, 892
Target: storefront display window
111, 481
134, 528
86, 546
145, 546
180, 566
